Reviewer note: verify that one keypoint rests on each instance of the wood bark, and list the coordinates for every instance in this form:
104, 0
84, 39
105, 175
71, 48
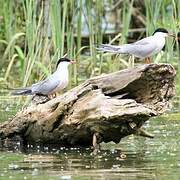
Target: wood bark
110, 106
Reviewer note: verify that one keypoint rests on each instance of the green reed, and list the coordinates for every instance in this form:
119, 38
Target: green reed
39, 32
166, 14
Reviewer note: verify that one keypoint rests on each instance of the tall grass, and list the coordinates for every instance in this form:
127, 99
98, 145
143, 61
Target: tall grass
9, 34
39, 32
166, 14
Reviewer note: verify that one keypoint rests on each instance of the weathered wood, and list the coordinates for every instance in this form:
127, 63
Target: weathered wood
113, 106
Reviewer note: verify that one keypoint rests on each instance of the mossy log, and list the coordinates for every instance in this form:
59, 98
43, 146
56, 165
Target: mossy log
104, 108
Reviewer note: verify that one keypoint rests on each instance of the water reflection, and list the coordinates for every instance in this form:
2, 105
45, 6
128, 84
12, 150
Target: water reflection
157, 158
71, 163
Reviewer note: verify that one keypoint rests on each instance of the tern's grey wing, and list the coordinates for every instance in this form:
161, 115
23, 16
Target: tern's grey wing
45, 87
141, 50
112, 48
144, 41
108, 48
108, 45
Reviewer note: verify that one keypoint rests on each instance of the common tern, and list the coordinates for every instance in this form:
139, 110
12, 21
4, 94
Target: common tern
52, 84
143, 48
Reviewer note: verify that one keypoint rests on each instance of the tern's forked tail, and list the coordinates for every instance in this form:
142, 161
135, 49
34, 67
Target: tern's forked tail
22, 91
110, 48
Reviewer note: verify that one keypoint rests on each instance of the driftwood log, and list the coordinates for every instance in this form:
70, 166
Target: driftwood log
105, 108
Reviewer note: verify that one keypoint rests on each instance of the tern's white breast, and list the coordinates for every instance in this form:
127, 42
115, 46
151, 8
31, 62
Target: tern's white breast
63, 84
61, 76
159, 42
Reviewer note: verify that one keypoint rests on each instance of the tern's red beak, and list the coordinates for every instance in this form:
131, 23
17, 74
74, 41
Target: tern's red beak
172, 35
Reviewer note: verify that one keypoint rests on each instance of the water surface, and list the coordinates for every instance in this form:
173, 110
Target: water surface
157, 158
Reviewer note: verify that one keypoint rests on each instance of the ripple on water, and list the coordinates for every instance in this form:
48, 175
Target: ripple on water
156, 158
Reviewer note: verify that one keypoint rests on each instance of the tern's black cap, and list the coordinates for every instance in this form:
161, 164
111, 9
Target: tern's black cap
178, 37
163, 30
62, 60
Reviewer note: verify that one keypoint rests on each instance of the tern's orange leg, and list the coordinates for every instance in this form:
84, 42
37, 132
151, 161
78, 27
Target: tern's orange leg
148, 60
52, 96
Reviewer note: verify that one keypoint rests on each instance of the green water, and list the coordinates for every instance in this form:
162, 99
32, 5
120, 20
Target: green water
156, 159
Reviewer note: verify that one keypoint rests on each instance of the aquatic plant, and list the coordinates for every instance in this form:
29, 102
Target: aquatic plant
39, 32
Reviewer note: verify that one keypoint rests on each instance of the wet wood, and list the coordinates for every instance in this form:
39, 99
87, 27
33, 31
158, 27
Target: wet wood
111, 106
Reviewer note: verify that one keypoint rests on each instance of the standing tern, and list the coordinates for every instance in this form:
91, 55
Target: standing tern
143, 48
52, 84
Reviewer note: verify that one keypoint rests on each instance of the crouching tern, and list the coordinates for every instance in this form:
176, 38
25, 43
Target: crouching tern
143, 48
52, 84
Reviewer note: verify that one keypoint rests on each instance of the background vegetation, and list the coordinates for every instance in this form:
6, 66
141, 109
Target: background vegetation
35, 33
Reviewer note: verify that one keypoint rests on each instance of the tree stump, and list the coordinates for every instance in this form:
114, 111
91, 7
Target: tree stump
104, 108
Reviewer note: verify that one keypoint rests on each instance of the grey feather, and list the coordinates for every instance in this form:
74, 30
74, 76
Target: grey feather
141, 51
110, 48
143, 48
45, 87
22, 91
